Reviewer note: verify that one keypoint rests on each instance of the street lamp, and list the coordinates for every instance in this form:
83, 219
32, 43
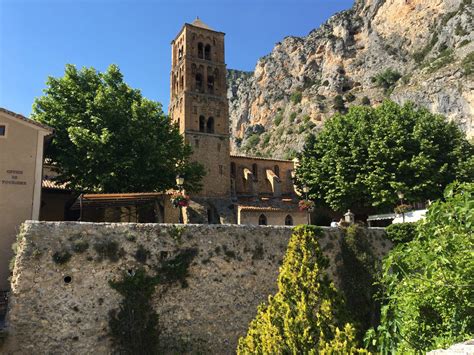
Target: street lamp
308, 210
180, 183
401, 195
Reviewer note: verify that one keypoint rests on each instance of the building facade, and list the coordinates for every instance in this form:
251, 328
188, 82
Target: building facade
236, 189
21, 160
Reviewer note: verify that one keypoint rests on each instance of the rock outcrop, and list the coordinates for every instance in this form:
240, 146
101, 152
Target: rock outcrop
406, 50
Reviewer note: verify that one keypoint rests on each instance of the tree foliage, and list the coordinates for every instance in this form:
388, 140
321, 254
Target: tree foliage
109, 138
364, 157
428, 282
305, 316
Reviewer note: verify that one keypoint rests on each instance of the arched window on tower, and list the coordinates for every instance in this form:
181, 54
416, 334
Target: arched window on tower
181, 82
198, 82
276, 170
288, 220
207, 52
255, 171
210, 125
262, 220
202, 124
210, 84
233, 170
200, 50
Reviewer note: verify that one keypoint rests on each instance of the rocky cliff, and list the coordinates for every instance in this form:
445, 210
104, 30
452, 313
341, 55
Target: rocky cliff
415, 50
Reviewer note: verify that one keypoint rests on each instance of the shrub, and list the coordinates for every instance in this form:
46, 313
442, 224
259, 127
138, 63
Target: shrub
339, 104
387, 79
296, 97
428, 281
107, 249
420, 55
460, 31
350, 97
266, 140
445, 57
290, 130
61, 257
278, 119
401, 232
293, 116
365, 101
252, 141
326, 83
467, 64
305, 316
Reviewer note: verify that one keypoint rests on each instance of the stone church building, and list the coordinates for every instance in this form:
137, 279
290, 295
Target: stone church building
236, 189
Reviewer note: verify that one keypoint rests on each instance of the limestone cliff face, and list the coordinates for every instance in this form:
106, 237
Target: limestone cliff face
427, 44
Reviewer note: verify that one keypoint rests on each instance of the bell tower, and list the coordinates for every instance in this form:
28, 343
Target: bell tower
198, 102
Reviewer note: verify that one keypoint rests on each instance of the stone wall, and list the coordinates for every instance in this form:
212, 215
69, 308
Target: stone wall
62, 305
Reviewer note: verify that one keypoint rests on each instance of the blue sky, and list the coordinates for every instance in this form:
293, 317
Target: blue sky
38, 37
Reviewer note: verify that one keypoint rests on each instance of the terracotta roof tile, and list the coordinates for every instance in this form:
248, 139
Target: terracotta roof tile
258, 158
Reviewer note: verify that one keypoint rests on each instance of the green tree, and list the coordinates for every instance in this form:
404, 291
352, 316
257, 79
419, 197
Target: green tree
304, 317
109, 138
428, 282
363, 158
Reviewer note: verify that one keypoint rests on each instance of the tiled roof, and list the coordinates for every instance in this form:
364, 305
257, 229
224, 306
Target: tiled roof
258, 158
260, 209
25, 119
198, 23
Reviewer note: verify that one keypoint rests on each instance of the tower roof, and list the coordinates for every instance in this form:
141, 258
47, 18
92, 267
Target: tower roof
198, 23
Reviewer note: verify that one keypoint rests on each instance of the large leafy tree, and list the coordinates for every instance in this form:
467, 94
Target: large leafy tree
428, 282
109, 138
363, 158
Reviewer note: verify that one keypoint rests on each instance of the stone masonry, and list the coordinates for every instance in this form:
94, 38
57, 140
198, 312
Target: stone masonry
63, 308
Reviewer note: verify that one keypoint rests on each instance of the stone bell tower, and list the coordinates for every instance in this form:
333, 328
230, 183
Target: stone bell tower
198, 102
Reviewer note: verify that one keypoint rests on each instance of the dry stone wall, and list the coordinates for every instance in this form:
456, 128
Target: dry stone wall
61, 297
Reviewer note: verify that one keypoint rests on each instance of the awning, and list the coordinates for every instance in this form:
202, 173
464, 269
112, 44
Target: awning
381, 217
111, 200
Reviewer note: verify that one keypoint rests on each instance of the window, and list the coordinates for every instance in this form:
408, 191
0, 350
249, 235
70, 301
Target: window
233, 170
200, 50
181, 82
221, 170
198, 82
180, 53
262, 220
210, 84
3, 130
288, 220
202, 124
255, 171
207, 52
276, 170
210, 125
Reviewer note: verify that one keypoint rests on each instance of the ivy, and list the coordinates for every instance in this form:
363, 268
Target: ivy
358, 273
134, 328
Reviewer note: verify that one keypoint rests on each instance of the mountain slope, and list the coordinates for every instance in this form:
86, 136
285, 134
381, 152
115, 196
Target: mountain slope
414, 50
